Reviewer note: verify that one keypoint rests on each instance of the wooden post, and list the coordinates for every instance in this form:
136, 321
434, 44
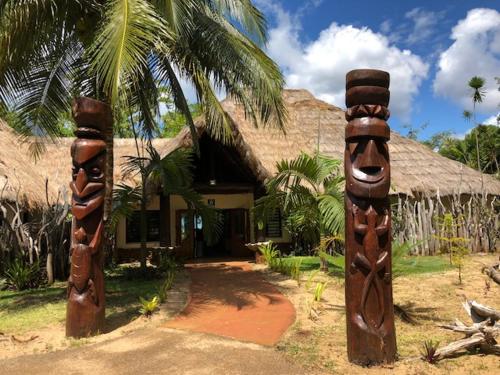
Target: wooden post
371, 335
86, 299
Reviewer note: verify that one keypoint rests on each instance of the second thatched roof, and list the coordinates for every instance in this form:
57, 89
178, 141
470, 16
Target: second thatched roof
312, 124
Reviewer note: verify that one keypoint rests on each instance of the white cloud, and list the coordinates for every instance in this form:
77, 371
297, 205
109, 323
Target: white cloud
492, 120
474, 52
321, 65
424, 23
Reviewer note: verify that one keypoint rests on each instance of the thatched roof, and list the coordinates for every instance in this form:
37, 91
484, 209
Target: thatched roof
415, 168
19, 179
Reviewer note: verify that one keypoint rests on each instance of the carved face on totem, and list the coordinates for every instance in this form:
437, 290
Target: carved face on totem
367, 158
88, 176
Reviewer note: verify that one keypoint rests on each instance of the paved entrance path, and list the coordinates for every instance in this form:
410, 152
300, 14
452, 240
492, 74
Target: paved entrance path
229, 299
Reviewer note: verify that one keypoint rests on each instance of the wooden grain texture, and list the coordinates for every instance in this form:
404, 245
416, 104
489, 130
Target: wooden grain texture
86, 298
371, 335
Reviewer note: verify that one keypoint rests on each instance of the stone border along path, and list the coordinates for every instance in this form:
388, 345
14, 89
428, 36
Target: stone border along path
229, 299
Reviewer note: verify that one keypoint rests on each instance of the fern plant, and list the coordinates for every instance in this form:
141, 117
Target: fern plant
148, 307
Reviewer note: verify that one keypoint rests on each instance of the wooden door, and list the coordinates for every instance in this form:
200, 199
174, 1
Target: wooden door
239, 232
184, 238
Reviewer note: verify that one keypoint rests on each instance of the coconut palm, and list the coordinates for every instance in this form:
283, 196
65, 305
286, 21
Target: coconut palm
476, 84
123, 51
309, 193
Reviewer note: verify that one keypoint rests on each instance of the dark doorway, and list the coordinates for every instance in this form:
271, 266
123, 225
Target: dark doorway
234, 234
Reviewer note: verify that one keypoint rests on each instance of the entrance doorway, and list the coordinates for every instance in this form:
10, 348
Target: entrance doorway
234, 234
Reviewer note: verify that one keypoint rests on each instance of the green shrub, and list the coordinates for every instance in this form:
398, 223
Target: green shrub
20, 275
149, 307
167, 263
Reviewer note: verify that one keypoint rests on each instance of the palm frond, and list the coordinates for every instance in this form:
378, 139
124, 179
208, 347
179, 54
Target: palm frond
125, 201
246, 14
125, 40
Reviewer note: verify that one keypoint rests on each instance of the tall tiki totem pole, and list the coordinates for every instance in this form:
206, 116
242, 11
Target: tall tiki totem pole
371, 335
85, 309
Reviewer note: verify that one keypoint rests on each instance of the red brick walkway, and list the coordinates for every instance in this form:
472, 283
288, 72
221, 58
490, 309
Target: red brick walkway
229, 299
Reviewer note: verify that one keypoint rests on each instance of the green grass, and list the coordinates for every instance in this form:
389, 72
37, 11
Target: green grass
33, 309
410, 265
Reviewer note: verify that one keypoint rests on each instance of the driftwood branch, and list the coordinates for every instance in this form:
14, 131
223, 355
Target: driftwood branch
493, 272
481, 335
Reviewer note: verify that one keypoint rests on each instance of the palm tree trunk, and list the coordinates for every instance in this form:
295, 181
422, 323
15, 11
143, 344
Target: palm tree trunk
143, 228
108, 196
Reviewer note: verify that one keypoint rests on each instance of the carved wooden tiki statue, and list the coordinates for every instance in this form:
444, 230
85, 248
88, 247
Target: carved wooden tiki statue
371, 335
85, 310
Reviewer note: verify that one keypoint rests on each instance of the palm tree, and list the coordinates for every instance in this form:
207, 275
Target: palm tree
171, 174
309, 193
123, 51
476, 84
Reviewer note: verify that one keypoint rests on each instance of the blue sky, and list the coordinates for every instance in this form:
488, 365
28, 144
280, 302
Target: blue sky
431, 49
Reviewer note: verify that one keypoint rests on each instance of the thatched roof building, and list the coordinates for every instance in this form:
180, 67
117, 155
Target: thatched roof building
20, 180
312, 123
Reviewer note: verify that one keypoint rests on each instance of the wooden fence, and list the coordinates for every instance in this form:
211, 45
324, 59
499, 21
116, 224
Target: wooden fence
419, 221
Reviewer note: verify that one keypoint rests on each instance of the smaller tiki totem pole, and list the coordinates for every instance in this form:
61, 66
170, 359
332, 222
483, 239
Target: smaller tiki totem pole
85, 310
371, 335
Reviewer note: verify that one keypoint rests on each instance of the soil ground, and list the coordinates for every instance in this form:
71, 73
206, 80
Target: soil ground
310, 346
320, 343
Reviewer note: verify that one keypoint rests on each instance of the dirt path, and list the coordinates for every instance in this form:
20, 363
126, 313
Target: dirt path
229, 299
156, 351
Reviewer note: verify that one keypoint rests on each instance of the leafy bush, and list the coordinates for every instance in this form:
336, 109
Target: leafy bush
318, 291
167, 263
149, 307
20, 275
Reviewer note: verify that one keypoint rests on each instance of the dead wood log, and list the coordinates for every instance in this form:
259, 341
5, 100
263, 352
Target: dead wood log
481, 335
493, 272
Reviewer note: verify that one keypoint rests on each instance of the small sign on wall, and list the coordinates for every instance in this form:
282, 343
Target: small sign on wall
211, 202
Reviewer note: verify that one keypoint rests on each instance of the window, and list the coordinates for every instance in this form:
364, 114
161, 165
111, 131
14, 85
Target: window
152, 226
273, 226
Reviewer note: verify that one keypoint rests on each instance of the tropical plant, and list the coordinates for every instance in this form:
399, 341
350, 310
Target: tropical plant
308, 191
269, 253
172, 174
319, 290
21, 275
148, 307
429, 350
167, 263
310, 279
166, 285
295, 270
123, 51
